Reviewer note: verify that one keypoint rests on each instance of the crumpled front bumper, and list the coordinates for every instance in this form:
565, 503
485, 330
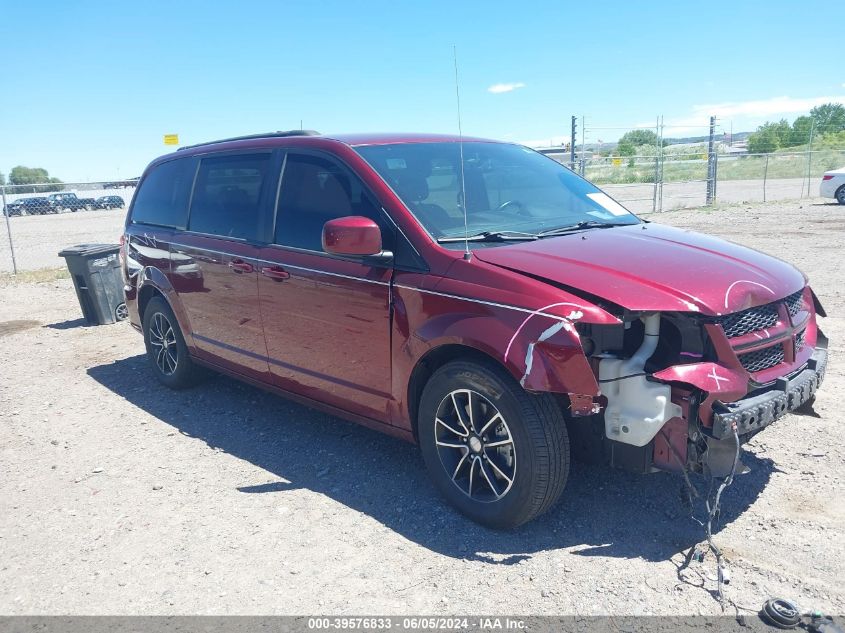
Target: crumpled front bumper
755, 412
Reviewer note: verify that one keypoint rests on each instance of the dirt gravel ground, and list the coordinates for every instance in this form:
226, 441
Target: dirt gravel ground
120, 497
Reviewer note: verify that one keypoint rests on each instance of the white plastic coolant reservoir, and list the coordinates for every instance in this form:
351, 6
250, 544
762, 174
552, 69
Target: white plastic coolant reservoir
636, 408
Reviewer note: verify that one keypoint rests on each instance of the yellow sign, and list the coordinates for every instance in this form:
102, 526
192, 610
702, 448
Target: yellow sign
171, 139
617, 162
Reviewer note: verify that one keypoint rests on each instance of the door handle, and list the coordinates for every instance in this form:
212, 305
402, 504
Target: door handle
239, 266
276, 273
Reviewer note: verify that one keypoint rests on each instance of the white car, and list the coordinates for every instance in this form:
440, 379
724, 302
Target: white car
833, 185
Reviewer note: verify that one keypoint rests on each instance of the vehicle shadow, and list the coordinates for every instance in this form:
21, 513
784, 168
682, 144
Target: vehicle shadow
69, 324
603, 512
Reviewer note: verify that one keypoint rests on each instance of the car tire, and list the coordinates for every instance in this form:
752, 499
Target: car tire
840, 195
166, 348
505, 469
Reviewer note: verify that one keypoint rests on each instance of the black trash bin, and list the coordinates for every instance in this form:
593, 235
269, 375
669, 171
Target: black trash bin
95, 269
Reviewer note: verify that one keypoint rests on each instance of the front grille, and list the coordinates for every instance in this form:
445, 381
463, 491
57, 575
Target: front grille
795, 302
761, 359
761, 317
750, 320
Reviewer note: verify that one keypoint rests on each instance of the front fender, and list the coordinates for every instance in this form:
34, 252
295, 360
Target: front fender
542, 352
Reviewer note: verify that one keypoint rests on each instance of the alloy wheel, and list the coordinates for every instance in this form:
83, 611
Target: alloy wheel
163, 342
475, 445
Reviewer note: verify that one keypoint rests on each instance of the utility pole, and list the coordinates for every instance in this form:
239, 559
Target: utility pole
809, 157
583, 146
9, 231
711, 164
572, 144
656, 166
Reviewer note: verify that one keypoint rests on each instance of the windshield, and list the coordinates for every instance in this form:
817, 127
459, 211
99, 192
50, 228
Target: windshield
508, 188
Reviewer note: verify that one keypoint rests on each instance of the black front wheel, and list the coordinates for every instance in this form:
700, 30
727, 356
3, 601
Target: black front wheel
166, 348
840, 195
499, 454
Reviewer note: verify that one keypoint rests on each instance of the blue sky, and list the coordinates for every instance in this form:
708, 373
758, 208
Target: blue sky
89, 88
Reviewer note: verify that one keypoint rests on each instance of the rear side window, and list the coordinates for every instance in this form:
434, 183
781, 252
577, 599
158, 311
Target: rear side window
227, 196
315, 190
162, 198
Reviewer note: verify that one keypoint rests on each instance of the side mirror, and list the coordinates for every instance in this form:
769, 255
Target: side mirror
352, 235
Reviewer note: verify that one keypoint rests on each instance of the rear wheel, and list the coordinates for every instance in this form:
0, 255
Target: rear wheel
166, 348
840, 195
497, 453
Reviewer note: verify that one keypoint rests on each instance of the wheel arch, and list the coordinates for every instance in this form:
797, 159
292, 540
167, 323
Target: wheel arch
153, 282
433, 360
543, 359
146, 293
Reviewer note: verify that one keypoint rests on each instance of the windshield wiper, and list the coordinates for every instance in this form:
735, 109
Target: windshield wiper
490, 236
580, 226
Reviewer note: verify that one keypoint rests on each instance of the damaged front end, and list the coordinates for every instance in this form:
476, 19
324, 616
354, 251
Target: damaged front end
679, 389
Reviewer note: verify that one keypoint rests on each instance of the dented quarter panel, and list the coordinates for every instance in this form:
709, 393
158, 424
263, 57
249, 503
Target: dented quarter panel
153, 277
147, 251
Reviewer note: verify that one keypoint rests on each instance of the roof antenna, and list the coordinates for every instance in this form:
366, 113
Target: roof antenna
462, 200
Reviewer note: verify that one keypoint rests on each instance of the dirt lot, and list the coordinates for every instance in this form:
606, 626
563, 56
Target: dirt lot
118, 496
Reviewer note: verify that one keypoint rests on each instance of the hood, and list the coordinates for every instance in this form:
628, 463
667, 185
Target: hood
654, 267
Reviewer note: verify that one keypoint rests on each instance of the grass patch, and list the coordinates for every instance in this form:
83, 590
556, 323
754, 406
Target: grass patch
40, 276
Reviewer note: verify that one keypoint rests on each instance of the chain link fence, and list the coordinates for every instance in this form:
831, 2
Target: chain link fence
679, 180
41, 220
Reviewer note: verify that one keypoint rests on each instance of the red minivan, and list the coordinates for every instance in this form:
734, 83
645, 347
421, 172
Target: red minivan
473, 296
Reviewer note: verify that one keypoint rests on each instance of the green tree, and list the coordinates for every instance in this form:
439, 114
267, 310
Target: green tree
2, 178
636, 138
770, 137
626, 149
829, 118
801, 128
21, 175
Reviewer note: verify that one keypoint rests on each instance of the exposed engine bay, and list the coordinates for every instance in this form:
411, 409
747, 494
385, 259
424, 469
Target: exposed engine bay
679, 391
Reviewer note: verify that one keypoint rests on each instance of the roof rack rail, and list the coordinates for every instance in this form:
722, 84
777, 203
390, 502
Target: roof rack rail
254, 136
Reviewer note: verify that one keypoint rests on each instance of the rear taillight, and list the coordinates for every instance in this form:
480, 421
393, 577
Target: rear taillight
827, 177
